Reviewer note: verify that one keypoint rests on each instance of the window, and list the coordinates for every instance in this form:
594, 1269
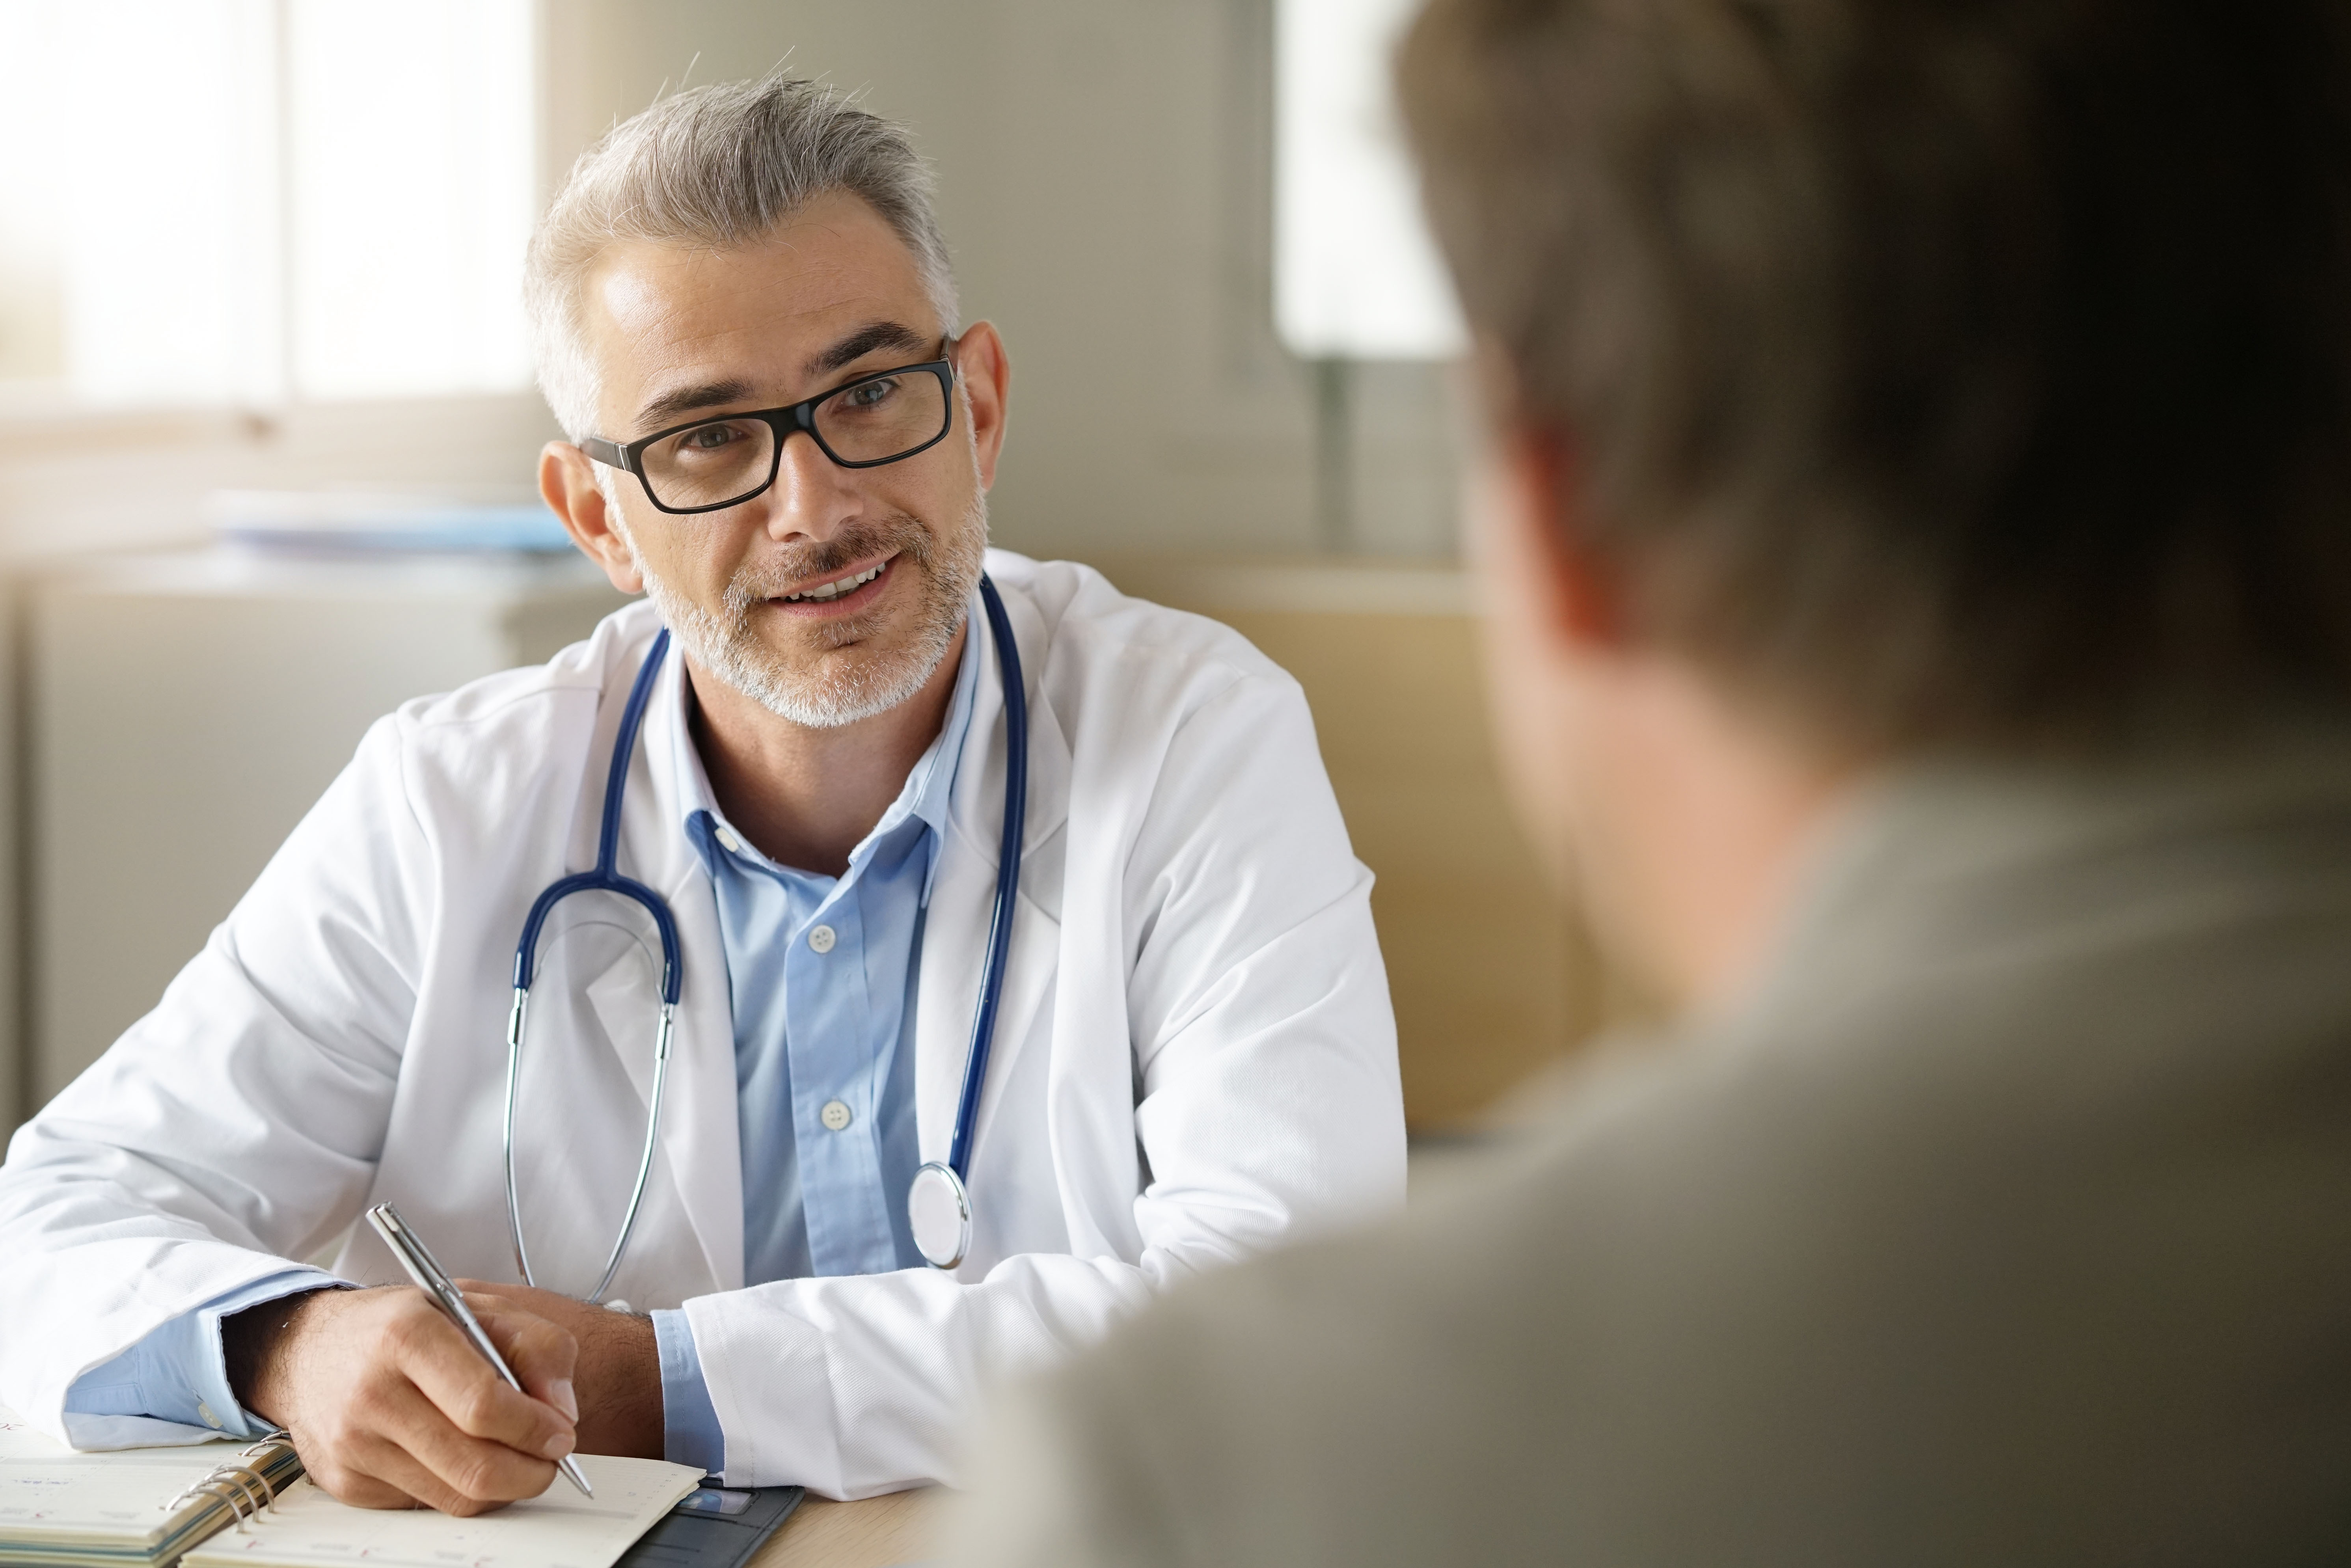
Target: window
264, 200
1355, 274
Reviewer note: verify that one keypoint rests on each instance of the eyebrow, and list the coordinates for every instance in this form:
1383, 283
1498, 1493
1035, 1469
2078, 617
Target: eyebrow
866, 340
665, 410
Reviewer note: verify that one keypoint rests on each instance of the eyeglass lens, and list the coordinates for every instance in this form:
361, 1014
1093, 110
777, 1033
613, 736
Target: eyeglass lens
725, 460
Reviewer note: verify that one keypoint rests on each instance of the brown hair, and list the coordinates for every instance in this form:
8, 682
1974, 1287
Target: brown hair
1942, 372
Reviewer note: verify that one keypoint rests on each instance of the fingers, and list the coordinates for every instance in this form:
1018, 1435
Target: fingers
342, 1480
542, 1353
411, 1443
382, 1468
459, 1389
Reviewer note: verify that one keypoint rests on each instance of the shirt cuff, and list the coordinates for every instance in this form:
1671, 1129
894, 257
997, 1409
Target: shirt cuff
179, 1372
690, 1431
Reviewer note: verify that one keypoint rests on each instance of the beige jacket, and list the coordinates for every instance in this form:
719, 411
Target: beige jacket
2009, 1221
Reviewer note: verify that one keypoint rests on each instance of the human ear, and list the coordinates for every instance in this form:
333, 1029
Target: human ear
1526, 513
567, 481
984, 374
1532, 522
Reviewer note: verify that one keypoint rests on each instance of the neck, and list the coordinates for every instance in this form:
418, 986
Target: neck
1703, 828
805, 797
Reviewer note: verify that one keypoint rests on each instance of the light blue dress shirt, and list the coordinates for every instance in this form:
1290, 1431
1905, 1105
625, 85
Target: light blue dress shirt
821, 972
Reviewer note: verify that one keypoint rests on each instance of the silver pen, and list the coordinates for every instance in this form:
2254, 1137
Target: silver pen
434, 1281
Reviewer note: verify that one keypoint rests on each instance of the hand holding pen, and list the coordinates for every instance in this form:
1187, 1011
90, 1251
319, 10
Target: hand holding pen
390, 1403
434, 1281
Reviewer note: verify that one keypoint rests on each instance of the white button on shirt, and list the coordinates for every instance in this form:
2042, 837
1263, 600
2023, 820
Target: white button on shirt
820, 940
835, 1115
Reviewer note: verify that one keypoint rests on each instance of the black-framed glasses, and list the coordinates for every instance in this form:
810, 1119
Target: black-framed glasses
709, 464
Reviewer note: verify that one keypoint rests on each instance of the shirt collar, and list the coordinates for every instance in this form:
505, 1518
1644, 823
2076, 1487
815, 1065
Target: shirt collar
930, 783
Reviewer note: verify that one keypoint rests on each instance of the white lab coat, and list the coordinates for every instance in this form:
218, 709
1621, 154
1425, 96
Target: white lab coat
1196, 1056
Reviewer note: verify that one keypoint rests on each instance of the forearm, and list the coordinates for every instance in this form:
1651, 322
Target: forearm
251, 1349
619, 1383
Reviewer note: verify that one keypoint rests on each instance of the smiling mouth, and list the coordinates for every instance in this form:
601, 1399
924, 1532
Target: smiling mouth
836, 588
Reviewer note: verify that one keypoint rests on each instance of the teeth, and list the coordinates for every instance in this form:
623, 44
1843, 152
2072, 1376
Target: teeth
835, 589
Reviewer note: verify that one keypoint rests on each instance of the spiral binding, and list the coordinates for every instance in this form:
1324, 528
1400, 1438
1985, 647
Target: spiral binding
243, 1487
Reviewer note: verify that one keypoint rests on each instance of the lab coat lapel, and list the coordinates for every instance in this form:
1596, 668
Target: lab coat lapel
699, 1131
963, 893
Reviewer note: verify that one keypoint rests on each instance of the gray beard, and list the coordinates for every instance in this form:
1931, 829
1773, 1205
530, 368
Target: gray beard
838, 691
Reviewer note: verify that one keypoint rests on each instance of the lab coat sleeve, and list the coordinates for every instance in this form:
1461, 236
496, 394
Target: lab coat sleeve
176, 1377
235, 1129
1266, 1104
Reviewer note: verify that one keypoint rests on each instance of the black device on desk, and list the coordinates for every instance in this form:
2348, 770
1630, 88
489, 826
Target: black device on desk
717, 1527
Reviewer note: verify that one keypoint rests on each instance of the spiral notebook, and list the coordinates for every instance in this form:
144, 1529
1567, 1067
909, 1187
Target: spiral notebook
212, 1505
130, 1508
556, 1529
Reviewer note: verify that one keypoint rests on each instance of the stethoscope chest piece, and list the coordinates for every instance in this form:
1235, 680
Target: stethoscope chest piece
938, 1212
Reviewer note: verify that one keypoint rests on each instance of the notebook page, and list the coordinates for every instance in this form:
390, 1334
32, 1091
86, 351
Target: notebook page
558, 1529
48, 1490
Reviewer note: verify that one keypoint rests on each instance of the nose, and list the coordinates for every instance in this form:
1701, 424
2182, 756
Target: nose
813, 496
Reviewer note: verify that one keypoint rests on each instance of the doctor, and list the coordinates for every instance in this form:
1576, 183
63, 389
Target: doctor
747, 327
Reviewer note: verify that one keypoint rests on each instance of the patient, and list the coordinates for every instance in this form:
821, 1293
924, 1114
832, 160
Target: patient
1916, 511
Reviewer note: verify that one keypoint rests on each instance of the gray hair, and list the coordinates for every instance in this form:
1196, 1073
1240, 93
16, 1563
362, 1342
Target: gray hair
719, 165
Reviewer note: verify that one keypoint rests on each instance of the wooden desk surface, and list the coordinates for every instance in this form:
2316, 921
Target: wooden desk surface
877, 1532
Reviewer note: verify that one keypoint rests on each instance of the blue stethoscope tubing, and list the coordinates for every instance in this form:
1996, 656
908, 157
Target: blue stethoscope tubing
948, 1184
949, 1179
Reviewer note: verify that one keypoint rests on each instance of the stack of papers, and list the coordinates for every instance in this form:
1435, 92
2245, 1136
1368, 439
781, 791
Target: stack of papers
372, 522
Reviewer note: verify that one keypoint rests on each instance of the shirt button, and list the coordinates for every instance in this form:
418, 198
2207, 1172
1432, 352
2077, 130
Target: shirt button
729, 843
835, 1115
821, 940
212, 1420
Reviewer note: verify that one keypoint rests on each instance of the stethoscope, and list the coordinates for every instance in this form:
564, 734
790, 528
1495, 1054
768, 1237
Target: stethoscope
938, 1201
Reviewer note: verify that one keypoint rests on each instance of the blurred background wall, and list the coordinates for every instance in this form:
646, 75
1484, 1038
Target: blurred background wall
334, 312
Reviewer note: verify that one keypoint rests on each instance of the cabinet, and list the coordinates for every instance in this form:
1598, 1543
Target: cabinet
179, 711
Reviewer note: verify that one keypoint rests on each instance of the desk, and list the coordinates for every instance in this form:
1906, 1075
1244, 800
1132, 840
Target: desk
877, 1532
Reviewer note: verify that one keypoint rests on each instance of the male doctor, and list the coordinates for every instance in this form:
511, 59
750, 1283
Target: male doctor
747, 325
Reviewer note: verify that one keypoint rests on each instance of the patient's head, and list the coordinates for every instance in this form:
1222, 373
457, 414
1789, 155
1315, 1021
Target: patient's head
1905, 376
746, 247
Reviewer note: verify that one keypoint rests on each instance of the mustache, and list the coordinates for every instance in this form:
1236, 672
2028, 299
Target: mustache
900, 535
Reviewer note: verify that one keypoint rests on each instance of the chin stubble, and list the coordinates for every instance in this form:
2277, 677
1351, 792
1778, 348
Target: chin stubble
837, 687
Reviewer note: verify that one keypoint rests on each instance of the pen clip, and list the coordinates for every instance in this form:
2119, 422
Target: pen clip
411, 1252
